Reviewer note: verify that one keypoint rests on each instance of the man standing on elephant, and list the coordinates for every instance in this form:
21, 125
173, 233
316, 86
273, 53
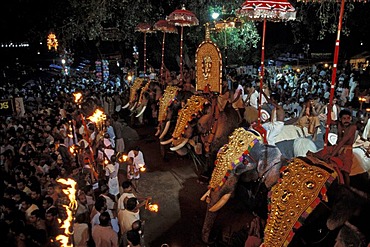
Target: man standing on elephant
343, 148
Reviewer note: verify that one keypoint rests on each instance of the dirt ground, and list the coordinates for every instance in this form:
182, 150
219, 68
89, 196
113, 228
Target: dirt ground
174, 187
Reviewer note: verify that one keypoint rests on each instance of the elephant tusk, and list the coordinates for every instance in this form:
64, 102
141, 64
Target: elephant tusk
182, 144
167, 142
125, 106
141, 112
165, 130
158, 131
133, 107
206, 195
220, 203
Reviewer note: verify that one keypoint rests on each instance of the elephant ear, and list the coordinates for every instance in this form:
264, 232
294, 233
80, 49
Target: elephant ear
191, 110
231, 156
166, 100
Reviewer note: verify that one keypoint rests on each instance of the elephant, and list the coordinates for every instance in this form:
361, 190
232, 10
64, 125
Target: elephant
134, 93
169, 104
246, 158
202, 117
149, 95
244, 155
201, 129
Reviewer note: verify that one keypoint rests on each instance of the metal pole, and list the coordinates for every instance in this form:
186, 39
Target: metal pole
262, 71
162, 64
144, 54
181, 43
225, 47
334, 74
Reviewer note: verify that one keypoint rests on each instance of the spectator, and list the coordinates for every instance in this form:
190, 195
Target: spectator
103, 234
135, 162
309, 118
81, 232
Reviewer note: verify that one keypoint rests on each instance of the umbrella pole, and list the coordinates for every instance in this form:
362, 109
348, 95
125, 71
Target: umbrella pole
181, 43
262, 71
144, 54
162, 64
333, 75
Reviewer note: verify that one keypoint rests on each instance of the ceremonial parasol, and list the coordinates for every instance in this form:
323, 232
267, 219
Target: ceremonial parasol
263, 10
165, 27
144, 28
335, 63
183, 18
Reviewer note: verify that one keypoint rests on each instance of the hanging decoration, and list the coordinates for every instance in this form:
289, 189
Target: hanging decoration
52, 41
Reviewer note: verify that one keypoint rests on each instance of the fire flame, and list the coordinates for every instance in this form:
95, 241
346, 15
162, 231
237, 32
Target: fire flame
142, 167
72, 149
78, 97
64, 239
123, 158
153, 208
97, 116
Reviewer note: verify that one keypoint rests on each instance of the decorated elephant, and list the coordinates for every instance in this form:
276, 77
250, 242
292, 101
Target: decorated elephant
246, 156
135, 93
169, 105
302, 187
201, 117
149, 96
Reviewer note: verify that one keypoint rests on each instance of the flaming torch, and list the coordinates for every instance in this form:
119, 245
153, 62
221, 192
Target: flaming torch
98, 117
151, 206
64, 239
78, 98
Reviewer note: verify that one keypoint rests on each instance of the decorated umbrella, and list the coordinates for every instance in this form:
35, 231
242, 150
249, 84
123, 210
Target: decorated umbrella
165, 27
144, 28
183, 18
263, 10
335, 63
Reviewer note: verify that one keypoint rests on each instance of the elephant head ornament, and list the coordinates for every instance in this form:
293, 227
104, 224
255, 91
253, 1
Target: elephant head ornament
243, 154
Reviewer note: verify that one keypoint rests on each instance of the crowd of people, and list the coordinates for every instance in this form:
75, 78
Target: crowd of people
51, 139
36, 150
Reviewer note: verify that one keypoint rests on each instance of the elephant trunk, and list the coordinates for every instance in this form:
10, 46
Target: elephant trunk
216, 199
158, 130
208, 225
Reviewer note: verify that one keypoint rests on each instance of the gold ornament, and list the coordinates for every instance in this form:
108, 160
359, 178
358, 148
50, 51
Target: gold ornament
292, 199
136, 86
194, 105
240, 142
165, 101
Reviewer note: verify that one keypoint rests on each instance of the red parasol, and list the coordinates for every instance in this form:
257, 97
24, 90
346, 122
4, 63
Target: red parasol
144, 28
165, 27
182, 18
335, 63
262, 10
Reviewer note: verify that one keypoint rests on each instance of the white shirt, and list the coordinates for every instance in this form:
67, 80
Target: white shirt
138, 160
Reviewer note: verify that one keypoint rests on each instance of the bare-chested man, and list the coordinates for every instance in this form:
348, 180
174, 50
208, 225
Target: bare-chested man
343, 148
